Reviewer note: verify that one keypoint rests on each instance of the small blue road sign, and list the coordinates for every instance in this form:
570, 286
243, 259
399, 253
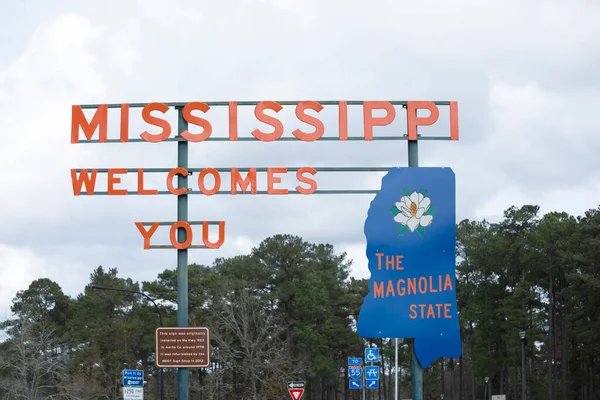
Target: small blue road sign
371, 355
354, 361
133, 378
355, 384
355, 372
372, 372
372, 384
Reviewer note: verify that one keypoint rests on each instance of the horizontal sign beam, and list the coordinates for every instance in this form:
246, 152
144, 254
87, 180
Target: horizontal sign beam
190, 191
282, 139
244, 169
171, 247
169, 223
254, 103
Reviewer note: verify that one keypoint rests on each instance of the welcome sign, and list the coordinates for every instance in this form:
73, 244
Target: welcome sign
241, 180
409, 228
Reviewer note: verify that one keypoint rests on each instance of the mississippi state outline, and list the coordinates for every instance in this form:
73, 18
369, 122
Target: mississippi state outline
411, 246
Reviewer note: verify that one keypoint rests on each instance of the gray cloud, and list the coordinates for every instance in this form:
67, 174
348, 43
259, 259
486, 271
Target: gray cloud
523, 73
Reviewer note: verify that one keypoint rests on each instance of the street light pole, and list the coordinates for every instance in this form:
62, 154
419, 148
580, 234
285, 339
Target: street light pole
160, 318
523, 379
485, 391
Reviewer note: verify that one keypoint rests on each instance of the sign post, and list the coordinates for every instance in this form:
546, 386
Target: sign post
182, 347
296, 389
154, 116
133, 378
133, 384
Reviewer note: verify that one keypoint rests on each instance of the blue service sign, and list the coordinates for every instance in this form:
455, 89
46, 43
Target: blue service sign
354, 361
411, 239
133, 378
355, 372
372, 384
372, 355
355, 384
372, 372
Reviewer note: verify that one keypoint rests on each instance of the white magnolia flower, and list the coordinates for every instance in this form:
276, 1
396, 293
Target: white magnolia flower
411, 211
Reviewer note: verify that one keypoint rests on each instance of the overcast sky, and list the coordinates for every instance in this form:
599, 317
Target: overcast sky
525, 74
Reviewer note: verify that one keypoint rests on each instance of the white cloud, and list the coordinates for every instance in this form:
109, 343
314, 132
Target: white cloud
18, 267
524, 74
357, 252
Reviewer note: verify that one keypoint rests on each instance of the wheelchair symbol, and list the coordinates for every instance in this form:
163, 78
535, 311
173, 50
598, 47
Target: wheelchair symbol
372, 355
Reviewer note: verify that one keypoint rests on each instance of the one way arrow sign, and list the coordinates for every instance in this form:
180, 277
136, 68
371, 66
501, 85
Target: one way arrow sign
296, 390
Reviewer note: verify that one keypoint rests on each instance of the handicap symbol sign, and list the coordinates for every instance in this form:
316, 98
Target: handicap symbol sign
355, 372
355, 384
372, 354
372, 372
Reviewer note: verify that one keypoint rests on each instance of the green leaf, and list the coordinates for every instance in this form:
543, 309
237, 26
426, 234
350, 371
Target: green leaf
402, 229
430, 211
407, 192
394, 210
421, 230
423, 192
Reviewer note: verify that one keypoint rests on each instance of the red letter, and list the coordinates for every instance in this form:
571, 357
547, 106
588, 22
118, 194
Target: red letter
259, 112
413, 121
311, 182
219, 242
250, 180
215, 175
140, 186
413, 311
112, 180
147, 234
343, 120
272, 180
124, 137
171, 175
192, 119
233, 121
188, 235
371, 121
379, 256
161, 123
99, 119
83, 179
309, 119
453, 120
378, 290
447, 314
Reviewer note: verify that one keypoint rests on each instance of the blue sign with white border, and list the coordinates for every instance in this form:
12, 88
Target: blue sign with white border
411, 249
354, 361
133, 378
372, 372
372, 384
372, 355
355, 384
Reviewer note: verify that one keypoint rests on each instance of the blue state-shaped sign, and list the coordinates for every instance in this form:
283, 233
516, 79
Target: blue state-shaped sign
411, 238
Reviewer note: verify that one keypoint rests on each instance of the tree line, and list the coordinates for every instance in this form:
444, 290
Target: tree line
287, 311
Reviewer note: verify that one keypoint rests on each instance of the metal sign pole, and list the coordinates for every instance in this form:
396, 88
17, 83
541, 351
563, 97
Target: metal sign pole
396, 368
183, 377
416, 368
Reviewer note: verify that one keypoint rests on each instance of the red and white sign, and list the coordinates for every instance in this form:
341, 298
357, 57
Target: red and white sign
296, 393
